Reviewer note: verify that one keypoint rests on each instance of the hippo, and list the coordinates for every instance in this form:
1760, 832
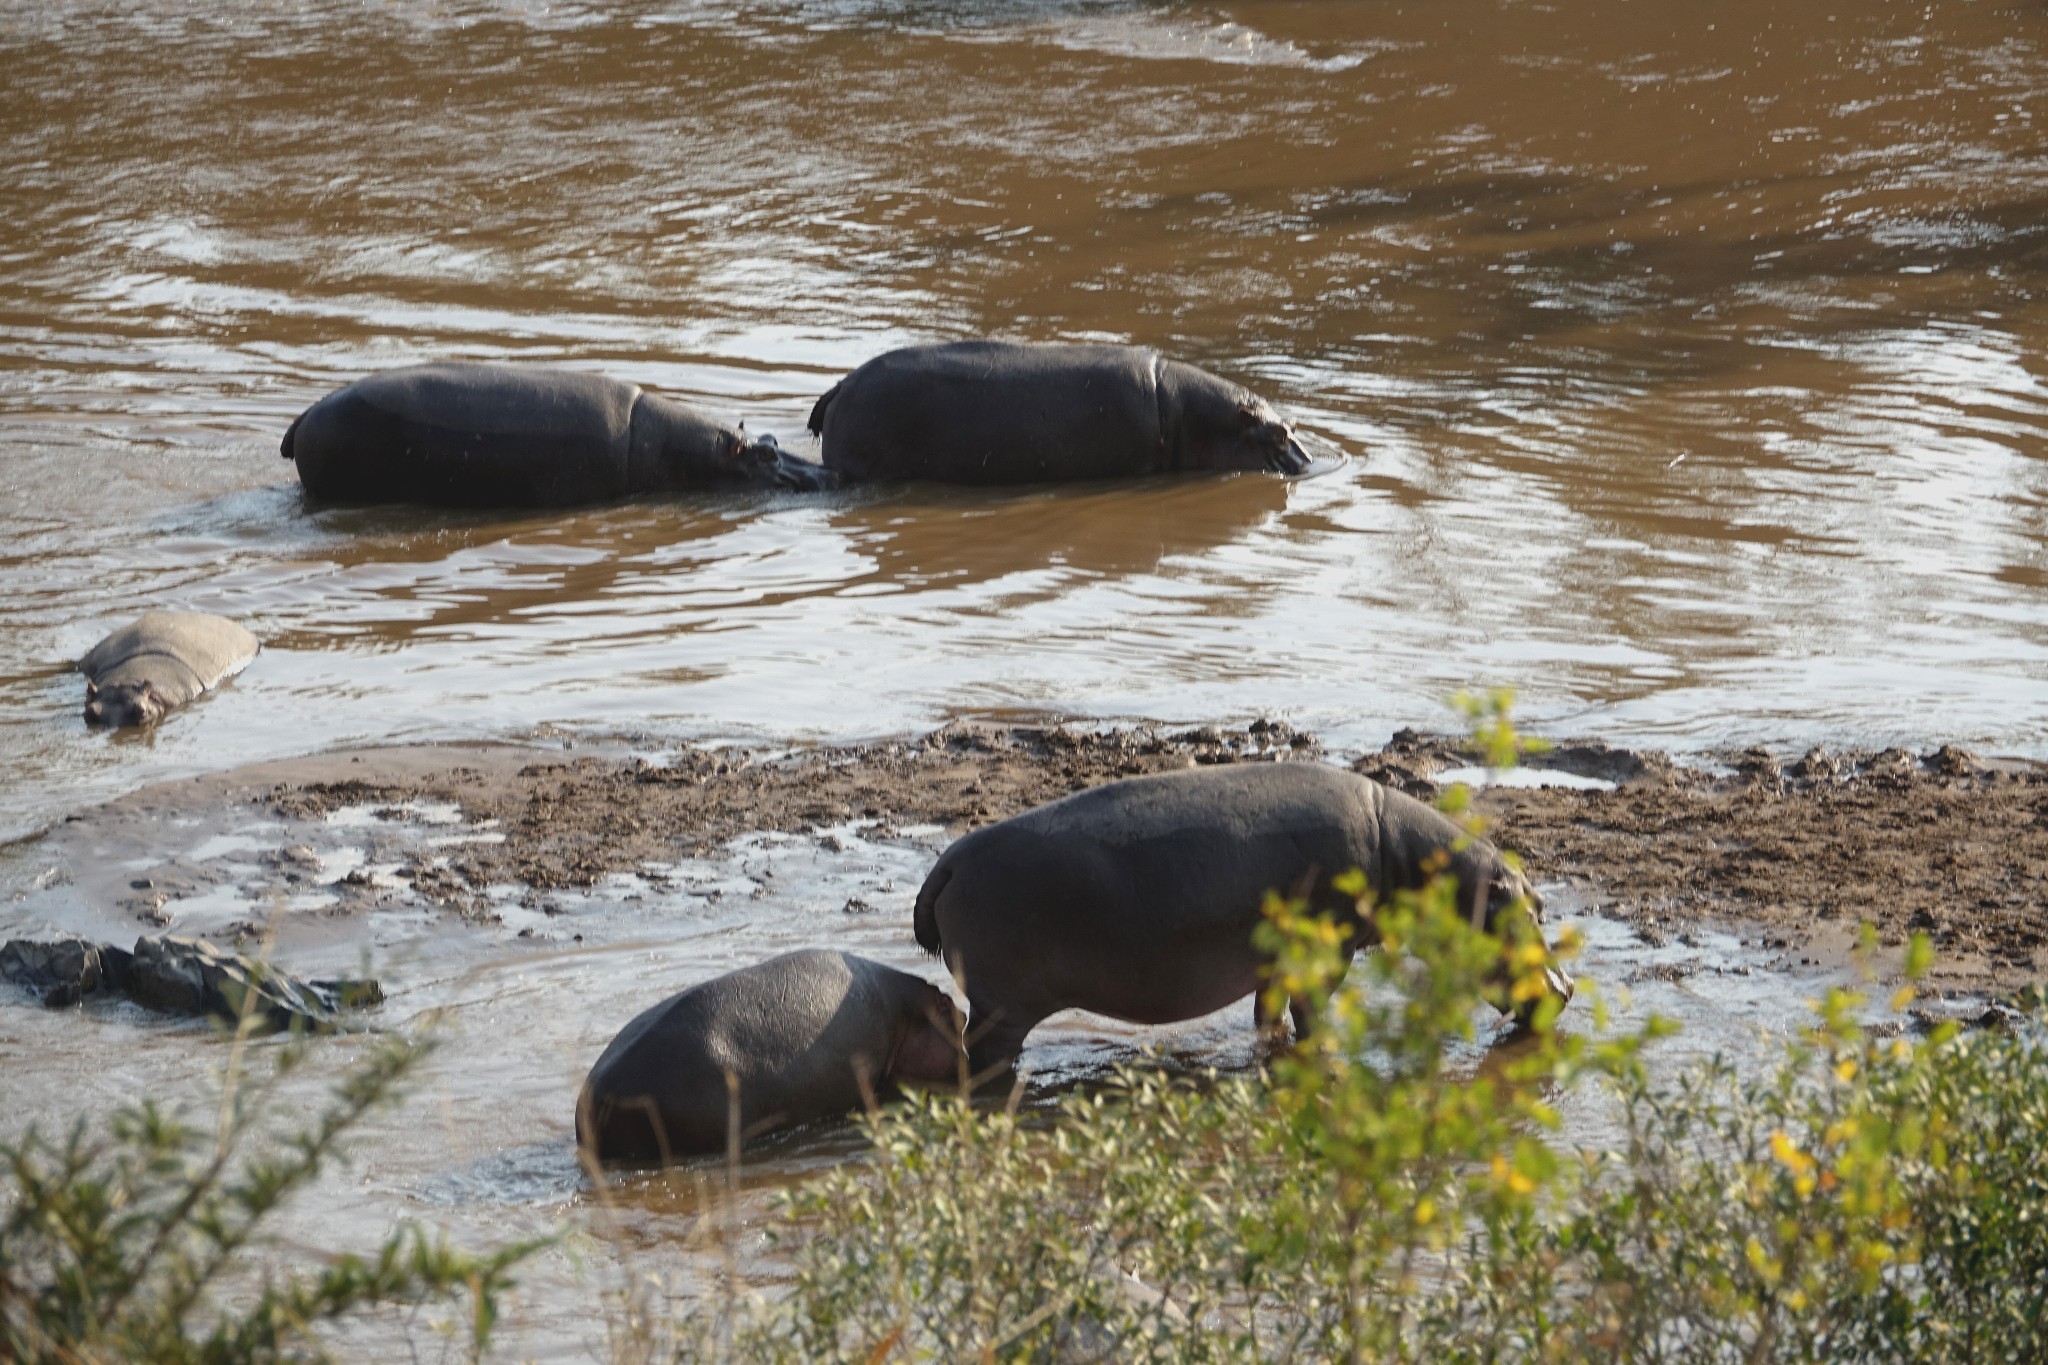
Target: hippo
1005, 412
469, 435
1138, 899
162, 660
804, 1036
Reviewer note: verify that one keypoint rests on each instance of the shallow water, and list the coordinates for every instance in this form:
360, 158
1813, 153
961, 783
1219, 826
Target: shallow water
483, 1146
1689, 363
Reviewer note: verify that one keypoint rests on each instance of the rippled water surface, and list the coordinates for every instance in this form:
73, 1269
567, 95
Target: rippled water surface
1689, 360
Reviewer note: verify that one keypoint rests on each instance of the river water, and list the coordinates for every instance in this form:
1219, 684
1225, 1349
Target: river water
1688, 361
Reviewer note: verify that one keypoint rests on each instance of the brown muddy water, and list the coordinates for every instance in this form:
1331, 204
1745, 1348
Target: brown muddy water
1689, 362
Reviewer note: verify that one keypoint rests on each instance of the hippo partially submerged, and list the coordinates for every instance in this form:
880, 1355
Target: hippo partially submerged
1138, 899
472, 435
1001, 412
161, 660
804, 1036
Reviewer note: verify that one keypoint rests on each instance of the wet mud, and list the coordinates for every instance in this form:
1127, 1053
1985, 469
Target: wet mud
1797, 854
1791, 857
521, 903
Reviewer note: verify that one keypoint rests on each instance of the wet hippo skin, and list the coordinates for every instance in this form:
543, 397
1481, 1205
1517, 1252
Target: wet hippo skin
804, 1036
1005, 412
471, 435
1138, 899
161, 660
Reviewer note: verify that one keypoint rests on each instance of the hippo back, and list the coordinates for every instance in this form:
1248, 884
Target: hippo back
995, 412
468, 435
1081, 902
203, 650
797, 1032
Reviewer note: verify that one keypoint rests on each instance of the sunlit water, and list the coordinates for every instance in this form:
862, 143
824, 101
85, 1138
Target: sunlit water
1689, 361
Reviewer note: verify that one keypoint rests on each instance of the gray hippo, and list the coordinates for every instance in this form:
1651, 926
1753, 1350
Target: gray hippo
998, 412
804, 1036
162, 660
469, 435
1138, 899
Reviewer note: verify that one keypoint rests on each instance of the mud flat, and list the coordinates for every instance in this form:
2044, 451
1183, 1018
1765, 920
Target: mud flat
1789, 856
521, 903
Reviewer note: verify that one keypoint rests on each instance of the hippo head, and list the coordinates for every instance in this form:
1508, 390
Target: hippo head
123, 704
1489, 886
928, 1049
676, 449
1210, 423
1508, 895
764, 464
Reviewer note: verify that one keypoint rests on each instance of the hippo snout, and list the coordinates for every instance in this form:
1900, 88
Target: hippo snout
123, 706
1292, 458
801, 476
766, 463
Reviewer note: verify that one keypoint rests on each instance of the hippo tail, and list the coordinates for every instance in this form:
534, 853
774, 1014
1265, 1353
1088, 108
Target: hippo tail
284, 447
925, 919
817, 422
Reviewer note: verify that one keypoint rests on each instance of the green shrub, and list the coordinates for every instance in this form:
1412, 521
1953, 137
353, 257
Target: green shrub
1873, 1199
1376, 1196
133, 1243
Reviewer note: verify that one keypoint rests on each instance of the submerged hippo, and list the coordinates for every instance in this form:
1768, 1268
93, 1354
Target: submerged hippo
162, 660
466, 435
994, 412
804, 1036
1138, 899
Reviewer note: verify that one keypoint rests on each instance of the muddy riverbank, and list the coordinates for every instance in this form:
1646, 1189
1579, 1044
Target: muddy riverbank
520, 903
1789, 855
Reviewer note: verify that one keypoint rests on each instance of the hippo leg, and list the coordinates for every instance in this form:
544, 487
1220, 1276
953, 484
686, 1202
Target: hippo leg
1299, 1010
995, 1037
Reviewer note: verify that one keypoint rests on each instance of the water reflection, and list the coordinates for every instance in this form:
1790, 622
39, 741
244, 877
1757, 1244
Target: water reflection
1678, 353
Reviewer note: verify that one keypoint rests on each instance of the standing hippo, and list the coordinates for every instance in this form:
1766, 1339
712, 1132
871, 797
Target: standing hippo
804, 1036
1138, 899
467, 435
162, 660
995, 412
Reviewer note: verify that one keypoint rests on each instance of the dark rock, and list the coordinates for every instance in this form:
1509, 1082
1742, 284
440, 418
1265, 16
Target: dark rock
1598, 759
190, 976
182, 976
58, 973
347, 993
1995, 1017
1999, 1018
